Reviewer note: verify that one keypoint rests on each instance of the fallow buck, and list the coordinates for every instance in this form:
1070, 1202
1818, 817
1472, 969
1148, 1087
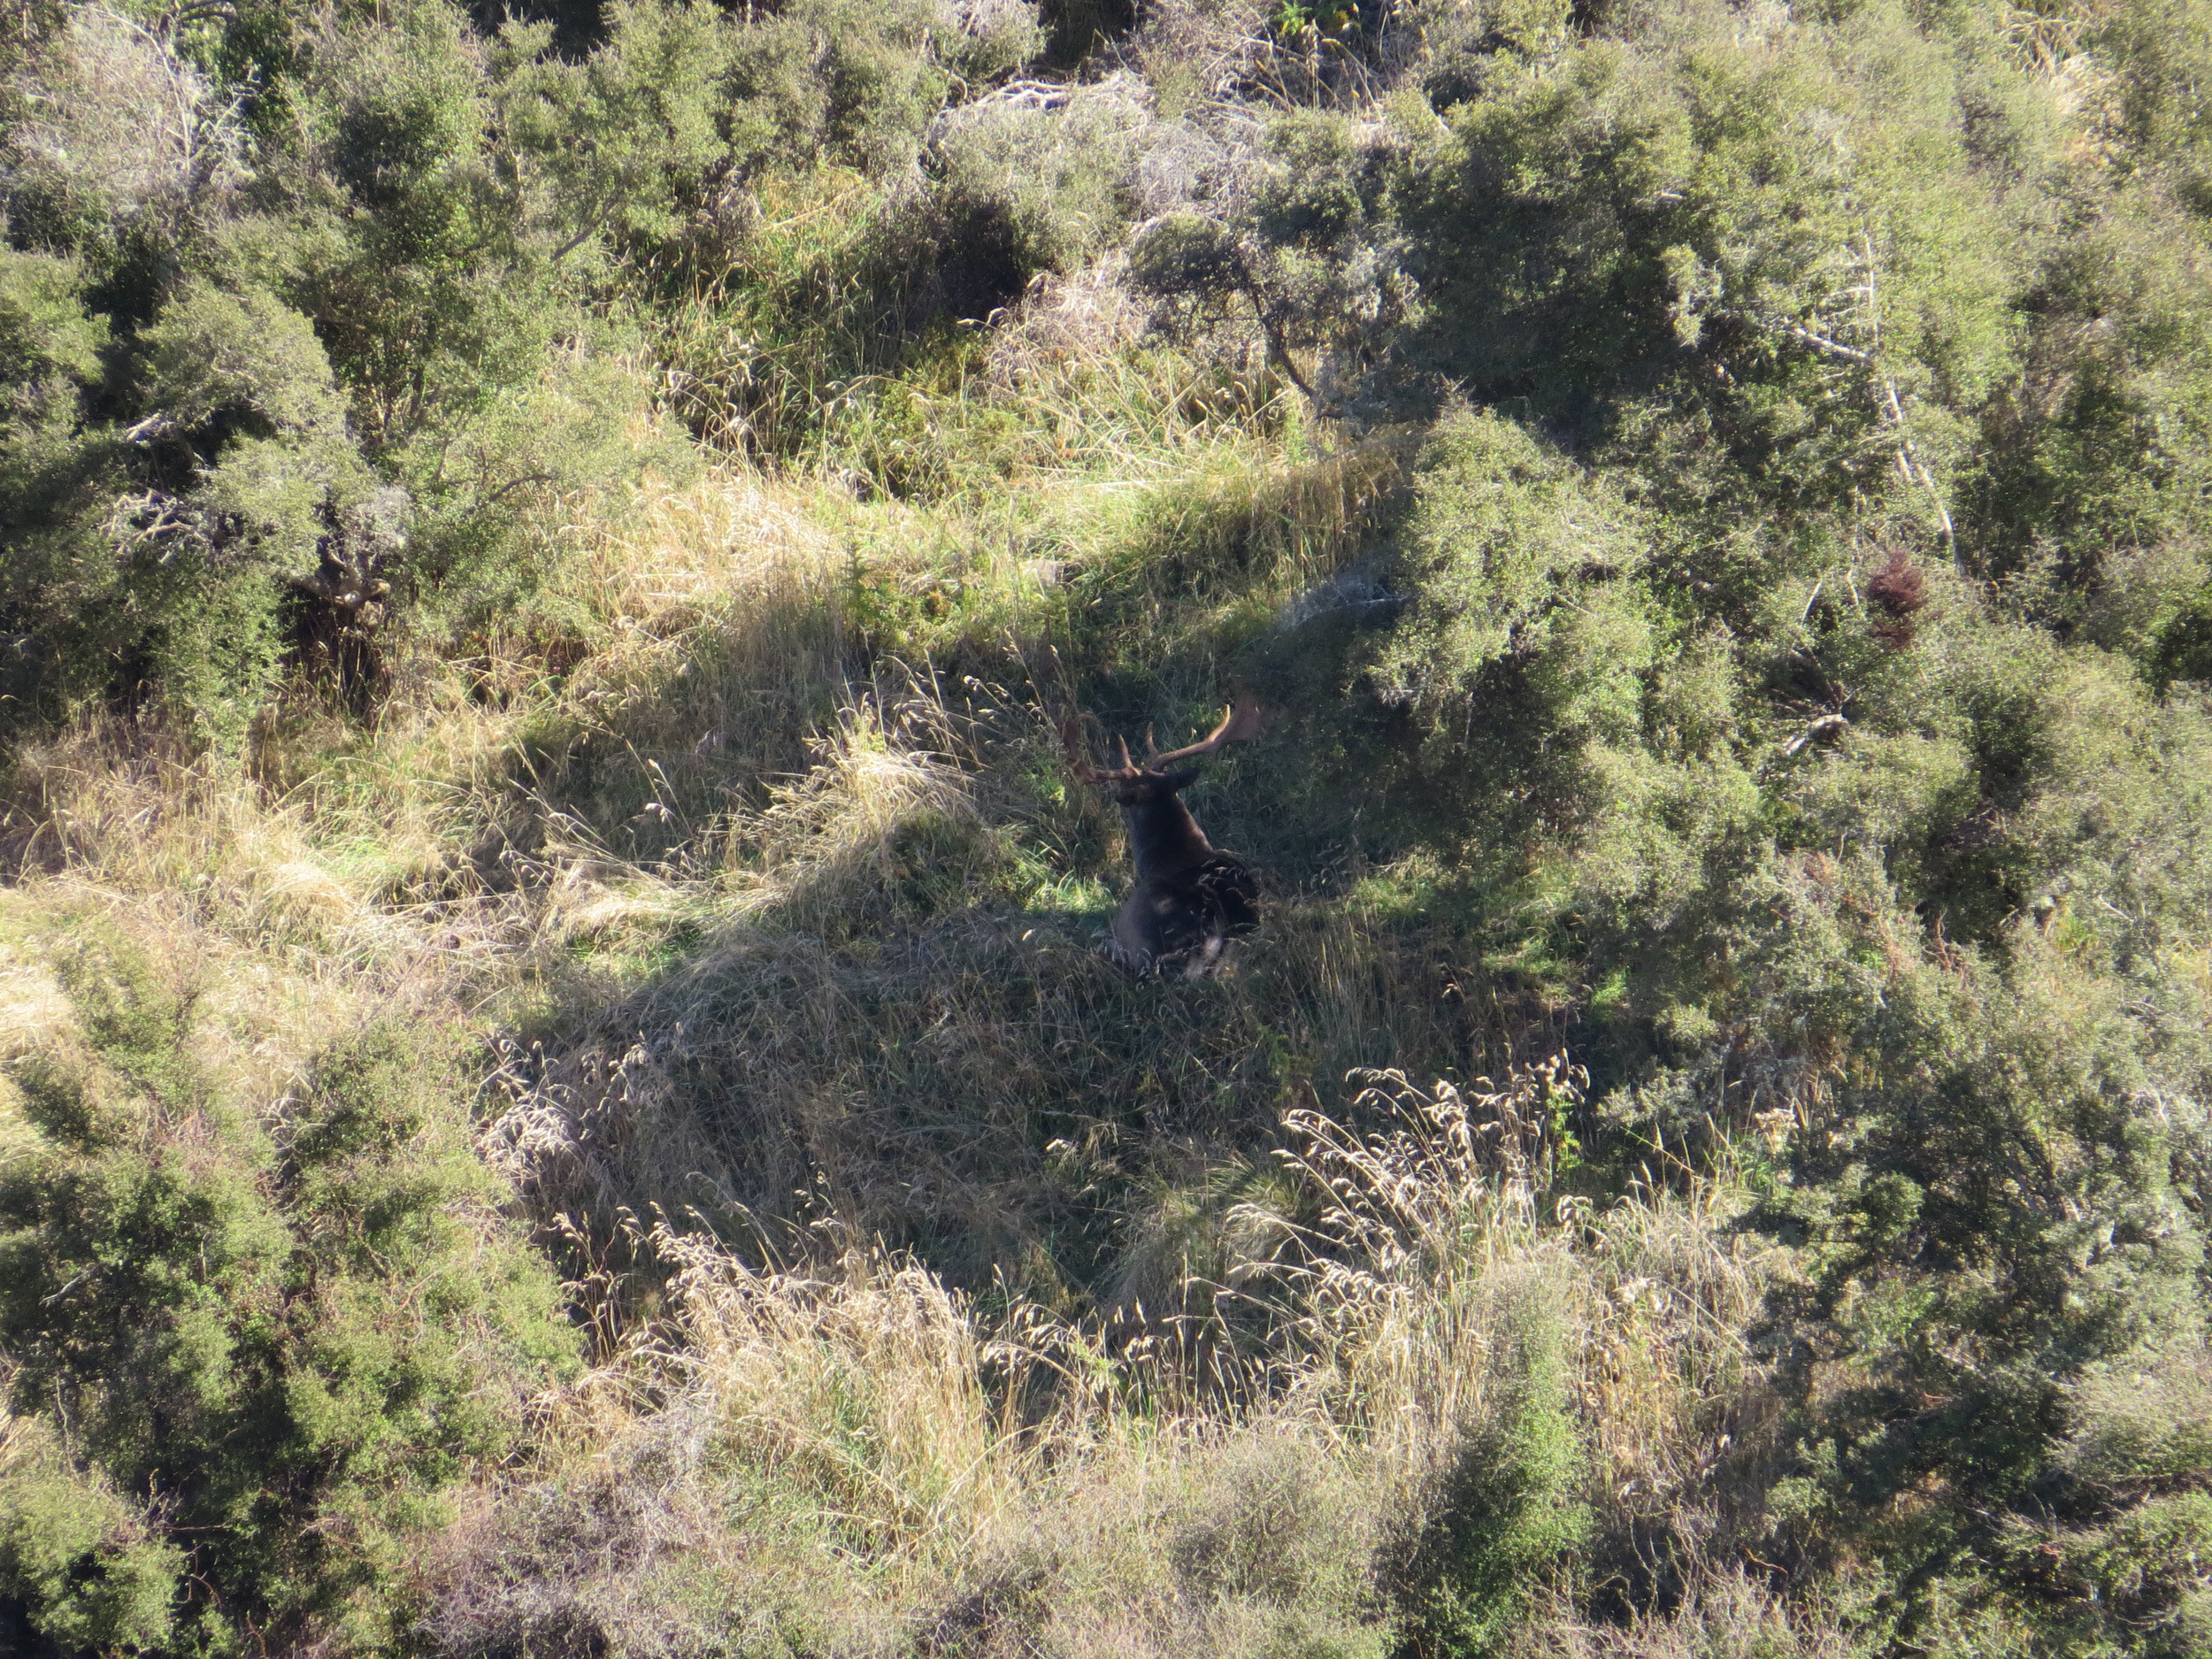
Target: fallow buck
1191, 898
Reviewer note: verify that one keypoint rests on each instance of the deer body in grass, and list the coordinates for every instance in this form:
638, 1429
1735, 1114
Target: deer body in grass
1191, 898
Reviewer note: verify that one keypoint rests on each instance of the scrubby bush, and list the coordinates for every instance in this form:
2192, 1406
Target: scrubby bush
856, 83
1613, 222
250, 1342
1955, 1300
119, 150
1061, 176
85, 1567
152, 554
1298, 239
269, 390
1507, 1517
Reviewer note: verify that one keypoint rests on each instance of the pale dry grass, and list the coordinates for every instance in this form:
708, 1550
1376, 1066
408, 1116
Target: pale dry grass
1085, 316
432, 847
659, 576
850, 821
1730, 1615
259, 1015
848, 1441
31, 1000
863, 1388
1443, 1211
190, 856
923, 1472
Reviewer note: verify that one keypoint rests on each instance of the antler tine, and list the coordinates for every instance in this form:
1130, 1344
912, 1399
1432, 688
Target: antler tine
1122, 743
1240, 723
1072, 740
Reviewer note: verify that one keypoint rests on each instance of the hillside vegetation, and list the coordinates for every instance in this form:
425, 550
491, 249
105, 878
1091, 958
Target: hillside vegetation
559, 1093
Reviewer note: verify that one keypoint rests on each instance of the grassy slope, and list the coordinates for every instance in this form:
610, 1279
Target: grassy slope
748, 859
948, 1291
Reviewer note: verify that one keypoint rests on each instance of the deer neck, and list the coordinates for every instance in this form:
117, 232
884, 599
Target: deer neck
1165, 838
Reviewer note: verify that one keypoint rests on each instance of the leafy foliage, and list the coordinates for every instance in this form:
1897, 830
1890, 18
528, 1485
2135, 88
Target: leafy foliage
1507, 1517
273, 1337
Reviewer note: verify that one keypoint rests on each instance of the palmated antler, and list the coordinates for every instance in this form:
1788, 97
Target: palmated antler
1240, 723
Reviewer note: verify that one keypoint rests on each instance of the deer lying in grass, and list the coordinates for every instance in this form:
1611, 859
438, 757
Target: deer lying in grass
1190, 899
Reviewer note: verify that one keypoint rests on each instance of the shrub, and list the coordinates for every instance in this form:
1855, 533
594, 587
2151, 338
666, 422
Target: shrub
1061, 179
626, 142
1300, 234
853, 81
282, 1328
87, 1559
119, 151
51, 351
1992, 1225
2158, 50
1507, 1516
1613, 221
350, 373
1556, 691
2093, 458
154, 555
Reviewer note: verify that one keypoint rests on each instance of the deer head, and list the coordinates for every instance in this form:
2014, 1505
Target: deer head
1163, 834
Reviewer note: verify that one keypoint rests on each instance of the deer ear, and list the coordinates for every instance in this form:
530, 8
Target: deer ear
1178, 781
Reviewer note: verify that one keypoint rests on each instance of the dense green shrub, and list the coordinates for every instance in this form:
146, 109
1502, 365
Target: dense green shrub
1615, 224
88, 166
2092, 499
858, 83
85, 1563
330, 358
1847, 837
153, 552
2001, 1228
253, 1340
1507, 1519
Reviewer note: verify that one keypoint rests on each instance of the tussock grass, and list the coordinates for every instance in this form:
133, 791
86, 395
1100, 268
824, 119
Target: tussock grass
894, 1466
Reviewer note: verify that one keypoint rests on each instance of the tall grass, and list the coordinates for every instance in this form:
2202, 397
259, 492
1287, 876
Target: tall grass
851, 1448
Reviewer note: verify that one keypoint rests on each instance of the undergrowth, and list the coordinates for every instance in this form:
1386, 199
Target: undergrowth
559, 1094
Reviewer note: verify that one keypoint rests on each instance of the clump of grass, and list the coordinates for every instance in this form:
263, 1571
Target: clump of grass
853, 1454
1732, 1614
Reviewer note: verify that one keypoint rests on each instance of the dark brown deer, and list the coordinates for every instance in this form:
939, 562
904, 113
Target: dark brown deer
1191, 899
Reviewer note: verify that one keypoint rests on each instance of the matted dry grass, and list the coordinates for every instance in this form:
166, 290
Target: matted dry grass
850, 1450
